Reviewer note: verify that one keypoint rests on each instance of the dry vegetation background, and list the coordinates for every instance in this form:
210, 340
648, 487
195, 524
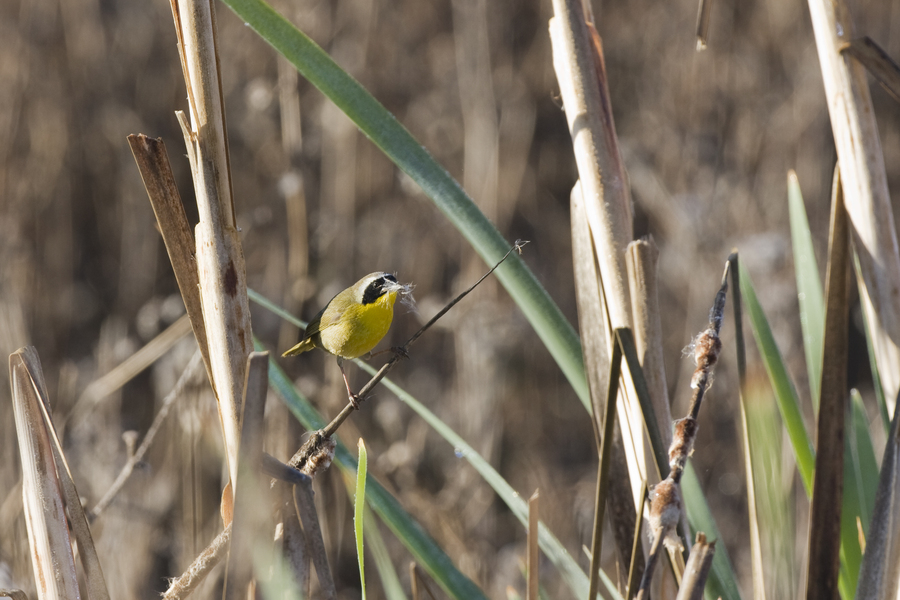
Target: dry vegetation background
708, 139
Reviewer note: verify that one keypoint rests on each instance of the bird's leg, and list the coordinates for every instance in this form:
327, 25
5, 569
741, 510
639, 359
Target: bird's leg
354, 398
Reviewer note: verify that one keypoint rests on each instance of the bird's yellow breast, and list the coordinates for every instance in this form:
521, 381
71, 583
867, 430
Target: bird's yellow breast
359, 328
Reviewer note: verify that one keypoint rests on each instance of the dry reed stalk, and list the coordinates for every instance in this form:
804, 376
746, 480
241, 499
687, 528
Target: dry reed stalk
156, 173
580, 70
825, 513
697, 569
864, 182
594, 331
291, 186
642, 260
604, 185
306, 508
252, 507
47, 488
532, 565
877, 62
45, 515
702, 29
220, 261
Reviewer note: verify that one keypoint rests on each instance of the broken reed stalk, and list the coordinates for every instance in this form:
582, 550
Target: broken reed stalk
665, 505
252, 526
864, 182
45, 513
27, 381
220, 261
311, 449
697, 569
159, 181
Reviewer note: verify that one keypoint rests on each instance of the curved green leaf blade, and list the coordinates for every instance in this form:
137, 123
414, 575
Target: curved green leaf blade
571, 572
785, 394
359, 503
419, 543
809, 288
398, 144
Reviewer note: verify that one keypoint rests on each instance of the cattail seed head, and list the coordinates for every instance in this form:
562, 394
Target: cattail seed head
665, 511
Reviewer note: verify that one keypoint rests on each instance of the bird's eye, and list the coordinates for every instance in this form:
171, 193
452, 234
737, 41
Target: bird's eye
374, 291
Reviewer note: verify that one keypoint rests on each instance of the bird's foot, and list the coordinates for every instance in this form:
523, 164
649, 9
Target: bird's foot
400, 351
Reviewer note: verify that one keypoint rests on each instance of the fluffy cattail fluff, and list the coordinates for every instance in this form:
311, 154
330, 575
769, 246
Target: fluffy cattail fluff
665, 511
315, 455
682, 443
706, 348
321, 459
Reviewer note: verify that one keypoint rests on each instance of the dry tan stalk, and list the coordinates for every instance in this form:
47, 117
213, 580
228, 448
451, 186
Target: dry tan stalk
251, 524
45, 516
156, 173
642, 259
593, 328
77, 519
697, 569
291, 187
604, 185
306, 508
825, 513
220, 261
865, 184
532, 559
877, 61
578, 61
702, 29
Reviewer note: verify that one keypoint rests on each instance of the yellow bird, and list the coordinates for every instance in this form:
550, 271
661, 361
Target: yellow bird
353, 322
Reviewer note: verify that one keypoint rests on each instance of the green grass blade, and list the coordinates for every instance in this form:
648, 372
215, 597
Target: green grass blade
809, 288
860, 483
571, 572
785, 393
359, 503
419, 543
399, 145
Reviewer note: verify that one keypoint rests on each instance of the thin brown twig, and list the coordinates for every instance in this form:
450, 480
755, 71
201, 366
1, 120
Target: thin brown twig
182, 587
306, 508
138, 456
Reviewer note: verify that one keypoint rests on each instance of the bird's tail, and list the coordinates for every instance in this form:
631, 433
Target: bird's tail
303, 346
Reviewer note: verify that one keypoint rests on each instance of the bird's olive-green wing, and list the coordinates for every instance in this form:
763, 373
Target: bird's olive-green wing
322, 320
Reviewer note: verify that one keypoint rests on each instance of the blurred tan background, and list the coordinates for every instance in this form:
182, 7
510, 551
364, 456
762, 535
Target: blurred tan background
708, 139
